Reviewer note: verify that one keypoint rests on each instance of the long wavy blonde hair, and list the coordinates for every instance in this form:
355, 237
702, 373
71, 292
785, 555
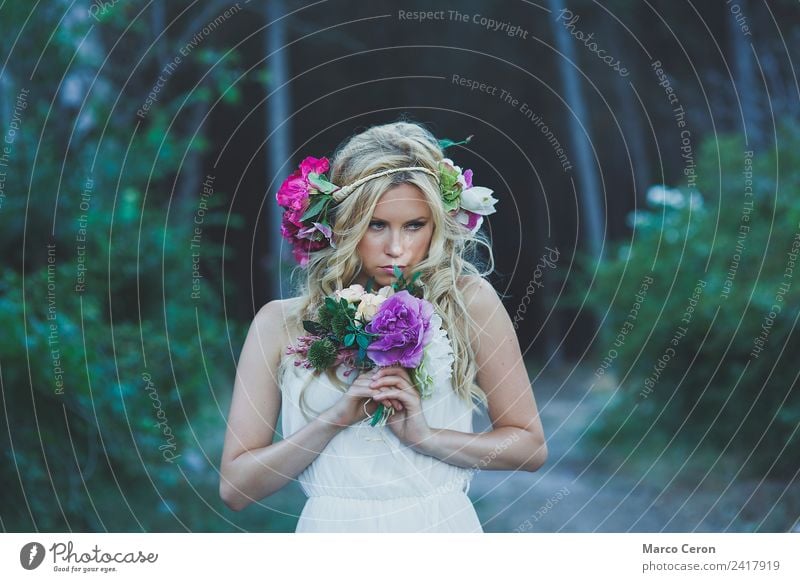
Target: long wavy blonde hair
453, 251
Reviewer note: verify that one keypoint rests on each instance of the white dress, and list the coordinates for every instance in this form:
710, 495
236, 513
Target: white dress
366, 479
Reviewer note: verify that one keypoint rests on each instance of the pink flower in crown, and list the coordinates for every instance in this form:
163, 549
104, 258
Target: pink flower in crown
294, 195
467, 179
310, 232
315, 165
473, 202
301, 245
294, 192
470, 220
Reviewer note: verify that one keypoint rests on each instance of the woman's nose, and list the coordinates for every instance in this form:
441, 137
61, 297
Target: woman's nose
395, 245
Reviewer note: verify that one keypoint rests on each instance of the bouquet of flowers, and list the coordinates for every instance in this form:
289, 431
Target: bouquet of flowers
364, 330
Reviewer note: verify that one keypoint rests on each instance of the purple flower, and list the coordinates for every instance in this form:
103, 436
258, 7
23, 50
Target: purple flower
470, 220
468, 178
403, 324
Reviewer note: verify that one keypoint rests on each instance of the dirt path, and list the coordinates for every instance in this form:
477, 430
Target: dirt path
585, 489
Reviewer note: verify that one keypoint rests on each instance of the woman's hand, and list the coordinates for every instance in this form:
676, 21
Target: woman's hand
408, 423
349, 409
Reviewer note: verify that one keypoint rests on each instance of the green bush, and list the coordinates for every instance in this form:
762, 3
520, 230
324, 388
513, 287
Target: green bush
113, 396
713, 387
114, 399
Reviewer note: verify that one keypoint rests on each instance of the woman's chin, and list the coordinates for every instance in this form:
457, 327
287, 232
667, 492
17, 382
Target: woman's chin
383, 279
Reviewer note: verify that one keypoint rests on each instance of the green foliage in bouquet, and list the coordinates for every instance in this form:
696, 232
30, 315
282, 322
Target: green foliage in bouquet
401, 283
337, 327
411, 285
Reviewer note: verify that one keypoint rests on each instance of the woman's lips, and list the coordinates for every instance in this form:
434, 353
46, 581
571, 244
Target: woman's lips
390, 269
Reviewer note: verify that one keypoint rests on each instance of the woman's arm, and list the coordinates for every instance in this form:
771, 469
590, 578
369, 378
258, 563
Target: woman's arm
252, 467
517, 439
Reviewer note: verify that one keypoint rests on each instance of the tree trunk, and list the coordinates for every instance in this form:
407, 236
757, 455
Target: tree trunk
158, 21
187, 194
747, 82
278, 136
630, 116
588, 184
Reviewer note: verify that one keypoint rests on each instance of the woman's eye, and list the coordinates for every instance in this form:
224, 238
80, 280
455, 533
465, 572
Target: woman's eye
411, 225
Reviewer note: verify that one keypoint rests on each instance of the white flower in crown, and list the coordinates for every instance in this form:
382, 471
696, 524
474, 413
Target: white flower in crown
476, 202
469, 203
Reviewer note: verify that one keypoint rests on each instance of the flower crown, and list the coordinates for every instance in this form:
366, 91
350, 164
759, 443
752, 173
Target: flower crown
307, 196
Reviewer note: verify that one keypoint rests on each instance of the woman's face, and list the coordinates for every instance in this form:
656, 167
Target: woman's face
399, 233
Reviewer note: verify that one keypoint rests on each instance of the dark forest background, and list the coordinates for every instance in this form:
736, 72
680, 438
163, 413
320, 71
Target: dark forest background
127, 288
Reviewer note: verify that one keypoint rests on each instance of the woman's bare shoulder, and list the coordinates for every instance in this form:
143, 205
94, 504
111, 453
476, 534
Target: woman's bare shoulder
481, 300
279, 316
477, 292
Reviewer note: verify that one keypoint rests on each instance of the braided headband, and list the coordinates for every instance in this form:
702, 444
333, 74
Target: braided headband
345, 191
307, 196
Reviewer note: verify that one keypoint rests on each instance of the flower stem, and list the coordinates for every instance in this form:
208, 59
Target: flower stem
381, 415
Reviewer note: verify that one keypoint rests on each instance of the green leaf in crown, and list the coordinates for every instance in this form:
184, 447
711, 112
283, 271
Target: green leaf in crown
446, 143
449, 186
321, 183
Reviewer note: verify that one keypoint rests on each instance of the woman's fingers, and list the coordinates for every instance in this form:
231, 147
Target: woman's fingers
363, 380
361, 392
393, 371
390, 377
397, 388
396, 404
403, 396
370, 384
366, 391
397, 382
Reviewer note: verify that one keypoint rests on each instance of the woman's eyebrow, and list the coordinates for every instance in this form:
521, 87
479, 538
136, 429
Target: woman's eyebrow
376, 219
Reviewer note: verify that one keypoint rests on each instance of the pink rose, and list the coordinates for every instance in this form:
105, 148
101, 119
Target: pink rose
315, 165
293, 192
294, 197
